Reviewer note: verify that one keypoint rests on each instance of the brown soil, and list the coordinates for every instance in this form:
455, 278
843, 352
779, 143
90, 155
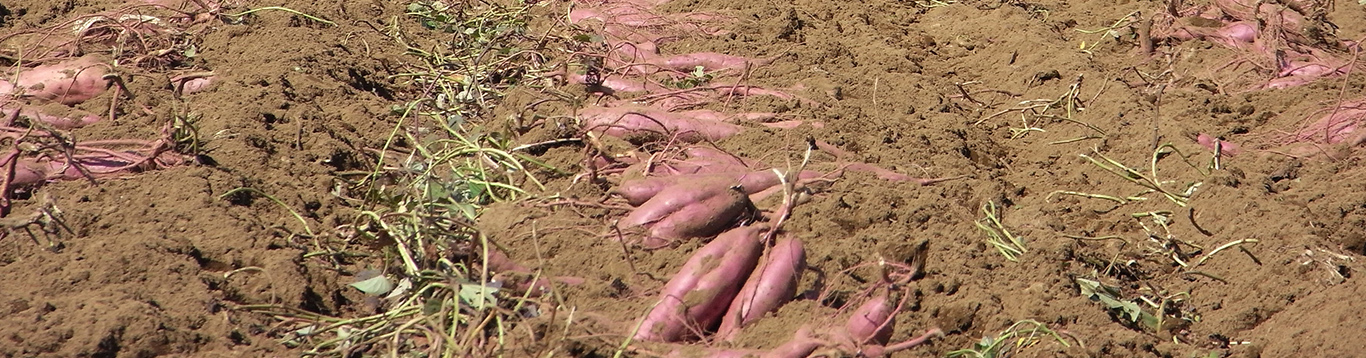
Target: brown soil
156, 259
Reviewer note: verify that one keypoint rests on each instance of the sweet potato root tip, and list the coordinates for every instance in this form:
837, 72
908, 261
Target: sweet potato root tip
883, 351
698, 293
773, 284
1210, 142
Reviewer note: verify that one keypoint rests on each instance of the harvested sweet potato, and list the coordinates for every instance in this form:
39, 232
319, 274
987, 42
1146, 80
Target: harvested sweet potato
773, 284
69, 82
698, 294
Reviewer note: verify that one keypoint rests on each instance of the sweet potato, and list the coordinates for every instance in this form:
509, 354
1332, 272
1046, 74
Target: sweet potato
1298, 68
773, 284
29, 171
873, 322
1236, 35
711, 61
70, 82
1337, 124
102, 164
701, 219
70, 119
697, 165
698, 294
638, 191
633, 121
514, 275
192, 85
1210, 142
634, 22
673, 198
620, 84
706, 114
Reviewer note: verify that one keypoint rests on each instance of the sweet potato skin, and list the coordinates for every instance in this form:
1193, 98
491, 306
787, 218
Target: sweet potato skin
633, 121
773, 284
69, 82
705, 218
699, 292
865, 326
674, 198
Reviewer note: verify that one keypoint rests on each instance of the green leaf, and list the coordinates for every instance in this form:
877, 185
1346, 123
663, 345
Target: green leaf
377, 285
477, 296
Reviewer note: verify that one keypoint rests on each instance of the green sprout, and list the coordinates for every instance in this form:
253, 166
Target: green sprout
1023, 334
1008, 244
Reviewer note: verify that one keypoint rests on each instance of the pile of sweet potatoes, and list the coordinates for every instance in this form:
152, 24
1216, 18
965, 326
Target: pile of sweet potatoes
1289, 42
53, 72
678, 187
656, 95
705, 299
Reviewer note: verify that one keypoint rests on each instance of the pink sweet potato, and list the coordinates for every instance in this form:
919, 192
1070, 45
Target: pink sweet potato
711, 61
70, 82
873, 322
622, 14
1210, 142
71, 118
710, 115
98, 164
697, 295
620, 84
638, 191
699, 165
704, 218
519, 279
1237, 35
30, 171
673, 198
195, 85
773, 284
632, 121
1337, 124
